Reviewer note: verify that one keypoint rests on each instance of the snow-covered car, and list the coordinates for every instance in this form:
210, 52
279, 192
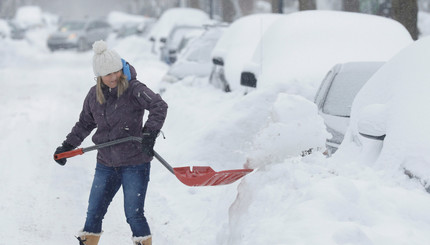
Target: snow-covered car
16, 31
235, 48
301, 47
394, 102
335, 96
27, 17
176, 41
79, 34
173, 17
195, 60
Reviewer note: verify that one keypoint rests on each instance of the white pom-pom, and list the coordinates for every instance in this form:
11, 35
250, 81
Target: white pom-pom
99, 47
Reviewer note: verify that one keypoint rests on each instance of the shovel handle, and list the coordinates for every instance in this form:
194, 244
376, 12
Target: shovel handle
68, 154
81, 151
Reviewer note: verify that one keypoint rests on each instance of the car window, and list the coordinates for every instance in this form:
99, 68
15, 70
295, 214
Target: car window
97, 25
199, 50
342, 92
320, 95
101, 24
176, 37
199, 55
91, 25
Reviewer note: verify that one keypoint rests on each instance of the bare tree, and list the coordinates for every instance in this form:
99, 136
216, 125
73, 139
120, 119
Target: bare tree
406, 12
194, 4
351, 5
246, 6
9, 7
228, 11
234, 9
307, 5
277, 6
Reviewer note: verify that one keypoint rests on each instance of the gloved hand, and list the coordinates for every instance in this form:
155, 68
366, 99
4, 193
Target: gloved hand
63, 148
148, 141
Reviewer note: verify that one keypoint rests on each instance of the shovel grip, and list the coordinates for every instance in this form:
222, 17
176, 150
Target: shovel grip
68, 154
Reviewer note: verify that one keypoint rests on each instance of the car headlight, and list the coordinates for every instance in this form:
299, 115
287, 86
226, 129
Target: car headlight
72, 36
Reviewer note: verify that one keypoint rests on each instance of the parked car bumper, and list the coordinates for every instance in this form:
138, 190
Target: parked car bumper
333, 143
54, 44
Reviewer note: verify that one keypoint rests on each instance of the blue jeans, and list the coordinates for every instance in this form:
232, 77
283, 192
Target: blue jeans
107, 180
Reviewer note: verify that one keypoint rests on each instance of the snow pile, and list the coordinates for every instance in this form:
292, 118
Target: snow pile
312, 201
256, 128
291, 117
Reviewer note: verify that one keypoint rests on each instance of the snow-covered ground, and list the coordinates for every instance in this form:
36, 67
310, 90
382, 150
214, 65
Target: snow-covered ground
288, 199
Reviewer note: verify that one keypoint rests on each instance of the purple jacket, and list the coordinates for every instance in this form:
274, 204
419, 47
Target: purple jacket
118, 118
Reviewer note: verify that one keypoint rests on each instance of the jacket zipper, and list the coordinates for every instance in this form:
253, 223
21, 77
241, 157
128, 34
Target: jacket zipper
105, 117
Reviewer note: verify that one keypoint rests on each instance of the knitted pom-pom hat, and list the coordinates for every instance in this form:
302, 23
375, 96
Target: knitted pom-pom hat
105, 61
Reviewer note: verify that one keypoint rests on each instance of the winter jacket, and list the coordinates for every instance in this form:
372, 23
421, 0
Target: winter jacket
117, 118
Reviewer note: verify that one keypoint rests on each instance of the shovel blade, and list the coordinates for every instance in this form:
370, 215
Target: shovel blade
206, 176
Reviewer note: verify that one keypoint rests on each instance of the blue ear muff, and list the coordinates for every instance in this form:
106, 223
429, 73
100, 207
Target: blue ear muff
126, 69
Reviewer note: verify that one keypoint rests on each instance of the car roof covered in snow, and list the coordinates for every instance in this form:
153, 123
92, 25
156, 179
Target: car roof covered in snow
301, 47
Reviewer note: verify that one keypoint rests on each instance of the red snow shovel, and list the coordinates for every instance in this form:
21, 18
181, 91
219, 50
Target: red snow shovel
195, 176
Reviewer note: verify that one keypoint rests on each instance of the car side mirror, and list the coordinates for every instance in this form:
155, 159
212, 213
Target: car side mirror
248, 79
372, 122
218, 61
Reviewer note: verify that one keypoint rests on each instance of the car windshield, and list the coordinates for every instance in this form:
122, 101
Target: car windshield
178, 34
71, 26
344, 87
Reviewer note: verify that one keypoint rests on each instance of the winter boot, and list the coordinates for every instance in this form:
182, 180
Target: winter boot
145, 240
87, 238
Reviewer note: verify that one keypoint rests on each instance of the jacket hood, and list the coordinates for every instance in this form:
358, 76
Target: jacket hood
128, 70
